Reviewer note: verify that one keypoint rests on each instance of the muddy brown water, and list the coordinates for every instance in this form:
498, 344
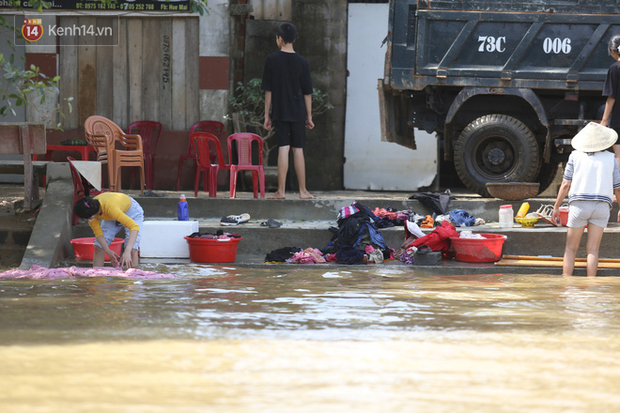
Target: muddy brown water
308, 339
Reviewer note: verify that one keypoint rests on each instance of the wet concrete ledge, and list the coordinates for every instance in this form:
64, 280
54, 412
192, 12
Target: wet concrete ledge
305, 224
49, 241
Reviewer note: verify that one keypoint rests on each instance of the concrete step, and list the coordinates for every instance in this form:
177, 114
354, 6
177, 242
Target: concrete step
306, 222
259, 240
323, 208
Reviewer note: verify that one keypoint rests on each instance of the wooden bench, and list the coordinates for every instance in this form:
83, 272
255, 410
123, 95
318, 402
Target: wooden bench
27, 139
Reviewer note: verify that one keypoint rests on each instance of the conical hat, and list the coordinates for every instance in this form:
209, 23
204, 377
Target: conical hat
594, 137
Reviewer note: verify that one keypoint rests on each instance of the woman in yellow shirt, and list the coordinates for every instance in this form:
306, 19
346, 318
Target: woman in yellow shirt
107, 213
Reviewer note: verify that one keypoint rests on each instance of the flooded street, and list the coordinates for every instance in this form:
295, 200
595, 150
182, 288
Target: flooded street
311, 339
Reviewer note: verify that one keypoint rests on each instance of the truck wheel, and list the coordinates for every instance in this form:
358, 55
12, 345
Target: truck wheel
496, 148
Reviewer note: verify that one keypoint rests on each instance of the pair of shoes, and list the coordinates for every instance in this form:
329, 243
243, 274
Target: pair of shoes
271, 223
235, 219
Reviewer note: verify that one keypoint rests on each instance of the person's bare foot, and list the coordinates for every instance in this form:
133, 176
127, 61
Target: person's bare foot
306, 195
277, 195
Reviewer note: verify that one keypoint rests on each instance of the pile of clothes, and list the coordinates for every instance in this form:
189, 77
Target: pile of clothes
436, 240
437, 203
357, 240
443, 222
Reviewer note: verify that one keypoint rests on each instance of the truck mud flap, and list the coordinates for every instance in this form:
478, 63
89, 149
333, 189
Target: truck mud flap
394, 117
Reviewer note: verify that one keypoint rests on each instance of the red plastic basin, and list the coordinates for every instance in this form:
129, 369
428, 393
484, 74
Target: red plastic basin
84, 248
487, 249
212, 250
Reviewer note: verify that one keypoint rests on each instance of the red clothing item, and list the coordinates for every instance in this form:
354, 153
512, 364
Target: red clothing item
439, 239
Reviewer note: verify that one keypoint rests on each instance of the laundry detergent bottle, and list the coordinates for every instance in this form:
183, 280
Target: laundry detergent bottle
183, 211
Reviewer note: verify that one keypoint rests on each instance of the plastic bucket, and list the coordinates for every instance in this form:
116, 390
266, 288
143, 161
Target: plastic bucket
487, 249
84, 248
563, 216
212, 250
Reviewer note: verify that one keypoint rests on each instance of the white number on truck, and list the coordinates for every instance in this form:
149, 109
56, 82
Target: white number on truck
557, 45
492, 44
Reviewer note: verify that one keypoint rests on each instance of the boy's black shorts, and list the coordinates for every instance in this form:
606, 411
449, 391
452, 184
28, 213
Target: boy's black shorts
290, 133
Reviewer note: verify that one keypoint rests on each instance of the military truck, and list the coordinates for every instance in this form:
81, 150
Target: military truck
503, 84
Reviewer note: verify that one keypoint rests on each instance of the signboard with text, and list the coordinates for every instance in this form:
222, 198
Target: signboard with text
119, 5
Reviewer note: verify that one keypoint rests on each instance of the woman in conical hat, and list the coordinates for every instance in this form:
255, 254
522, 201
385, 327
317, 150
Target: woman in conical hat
591, 178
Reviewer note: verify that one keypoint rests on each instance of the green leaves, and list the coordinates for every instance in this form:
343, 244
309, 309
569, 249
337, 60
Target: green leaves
21, 86
249, 100
199, 6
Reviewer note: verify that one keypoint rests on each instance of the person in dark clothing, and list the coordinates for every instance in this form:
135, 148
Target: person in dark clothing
288, 106
611, 89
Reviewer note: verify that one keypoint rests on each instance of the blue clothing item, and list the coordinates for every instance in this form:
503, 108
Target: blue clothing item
375, 236
385, 222
349, 255
461, 217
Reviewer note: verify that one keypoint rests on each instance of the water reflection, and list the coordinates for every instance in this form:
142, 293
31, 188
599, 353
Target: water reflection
301, 339
215, 302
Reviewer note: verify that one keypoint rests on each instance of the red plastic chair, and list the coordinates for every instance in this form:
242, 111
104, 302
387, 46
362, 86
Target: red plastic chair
149, 131
210, 126
204, 161
244, 162
80, 188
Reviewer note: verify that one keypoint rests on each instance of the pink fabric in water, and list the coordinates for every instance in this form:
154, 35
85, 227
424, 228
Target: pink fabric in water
37, 272
308, 256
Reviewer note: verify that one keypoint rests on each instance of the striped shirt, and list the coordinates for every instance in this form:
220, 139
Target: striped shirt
593, 176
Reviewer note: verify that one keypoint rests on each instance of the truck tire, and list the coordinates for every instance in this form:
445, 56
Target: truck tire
496, 148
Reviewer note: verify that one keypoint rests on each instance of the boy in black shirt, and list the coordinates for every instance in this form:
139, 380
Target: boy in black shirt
288, 93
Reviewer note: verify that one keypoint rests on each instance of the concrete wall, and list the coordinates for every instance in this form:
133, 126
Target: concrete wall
214, 48
325, 24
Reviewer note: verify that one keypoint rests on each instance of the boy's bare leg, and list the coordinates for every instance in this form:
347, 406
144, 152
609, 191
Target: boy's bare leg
595, 235
135, 258
282, 171
300, 170
573, 237
98, 257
